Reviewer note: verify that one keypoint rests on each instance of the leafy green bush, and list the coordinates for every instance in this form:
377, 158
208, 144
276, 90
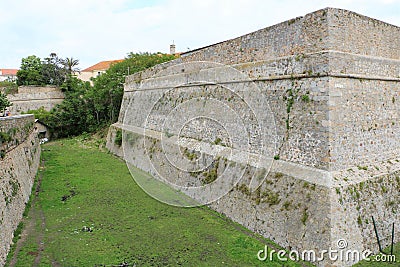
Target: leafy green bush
4, 102
8, 87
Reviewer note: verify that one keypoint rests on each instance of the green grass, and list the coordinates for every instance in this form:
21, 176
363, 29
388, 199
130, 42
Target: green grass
85, 187
372, 262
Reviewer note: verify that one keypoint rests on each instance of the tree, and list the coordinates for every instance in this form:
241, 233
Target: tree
30, 72
86, 108
4, 103
72, 116
53, 70
108, 88
70, 65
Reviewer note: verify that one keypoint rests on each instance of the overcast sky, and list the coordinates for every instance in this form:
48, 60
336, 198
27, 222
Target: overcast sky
96, 30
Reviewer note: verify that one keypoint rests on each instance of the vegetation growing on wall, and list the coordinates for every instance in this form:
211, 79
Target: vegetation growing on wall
13, 136
4, 139
118, 137
211, 174
293, 95
4, 103
8, 87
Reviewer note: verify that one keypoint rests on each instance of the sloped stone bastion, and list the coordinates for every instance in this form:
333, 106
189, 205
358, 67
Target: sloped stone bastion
292, 130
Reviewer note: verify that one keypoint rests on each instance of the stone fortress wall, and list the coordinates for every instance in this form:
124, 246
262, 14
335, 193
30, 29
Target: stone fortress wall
34, 97
331, 80
19, 162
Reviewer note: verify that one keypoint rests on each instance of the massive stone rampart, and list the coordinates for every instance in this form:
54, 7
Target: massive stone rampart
325, 88
19, 162
35, 97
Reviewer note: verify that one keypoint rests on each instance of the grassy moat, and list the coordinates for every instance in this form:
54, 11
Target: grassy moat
88, 211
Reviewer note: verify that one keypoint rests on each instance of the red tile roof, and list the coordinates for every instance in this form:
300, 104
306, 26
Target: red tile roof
103, 65
8, 72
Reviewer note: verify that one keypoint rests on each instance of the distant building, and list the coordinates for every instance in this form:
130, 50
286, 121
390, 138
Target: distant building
97, 69
101, 67
172, 50
8, 75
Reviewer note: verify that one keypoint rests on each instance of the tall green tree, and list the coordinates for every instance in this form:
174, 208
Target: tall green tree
70, 65
53, 70
72, 116
108, 88
4, 103
30, 72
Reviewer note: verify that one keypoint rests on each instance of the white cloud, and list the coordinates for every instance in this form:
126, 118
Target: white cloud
94, 30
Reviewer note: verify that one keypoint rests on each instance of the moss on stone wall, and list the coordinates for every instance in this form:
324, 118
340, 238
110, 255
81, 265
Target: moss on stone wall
12, 134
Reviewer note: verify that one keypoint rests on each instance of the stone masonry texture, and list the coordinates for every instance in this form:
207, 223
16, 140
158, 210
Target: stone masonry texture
35, 97
19, 162
332, 150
